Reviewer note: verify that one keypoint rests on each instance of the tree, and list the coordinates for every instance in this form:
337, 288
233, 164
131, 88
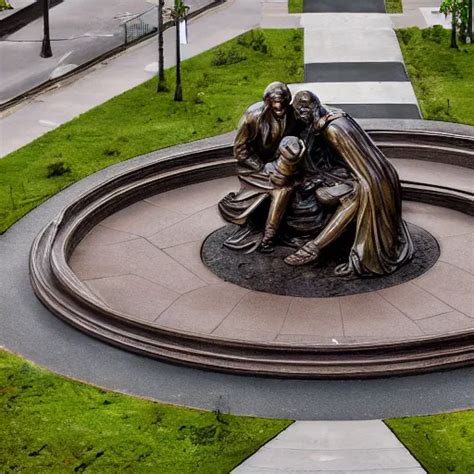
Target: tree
469, 22
460, 12
178, 13
161, 60
46, 46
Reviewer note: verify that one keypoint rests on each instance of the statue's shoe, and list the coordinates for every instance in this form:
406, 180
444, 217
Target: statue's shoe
306, 254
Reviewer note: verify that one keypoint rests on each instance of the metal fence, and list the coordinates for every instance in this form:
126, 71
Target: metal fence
141, 25
146, 23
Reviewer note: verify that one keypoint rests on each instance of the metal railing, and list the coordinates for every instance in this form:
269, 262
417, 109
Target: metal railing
146, 23
140, 25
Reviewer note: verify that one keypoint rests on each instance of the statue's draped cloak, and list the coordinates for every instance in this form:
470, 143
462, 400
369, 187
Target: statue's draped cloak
382, 241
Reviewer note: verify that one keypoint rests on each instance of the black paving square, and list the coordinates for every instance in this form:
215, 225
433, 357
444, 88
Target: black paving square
355, 72
382, 111
344, 6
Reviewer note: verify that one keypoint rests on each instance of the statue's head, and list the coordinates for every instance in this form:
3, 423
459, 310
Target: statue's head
307, 106
277, 98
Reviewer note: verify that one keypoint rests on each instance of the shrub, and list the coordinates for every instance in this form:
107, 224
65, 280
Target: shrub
232, 56
255, 40
111, 152
406, 35
57, 169
434, 33
199, 98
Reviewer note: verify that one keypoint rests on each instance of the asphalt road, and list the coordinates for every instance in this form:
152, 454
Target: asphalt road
80, 31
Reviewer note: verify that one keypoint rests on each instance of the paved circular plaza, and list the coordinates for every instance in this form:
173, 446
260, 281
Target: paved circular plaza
145, 262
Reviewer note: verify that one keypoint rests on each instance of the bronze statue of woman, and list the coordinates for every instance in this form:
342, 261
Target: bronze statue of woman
371, 198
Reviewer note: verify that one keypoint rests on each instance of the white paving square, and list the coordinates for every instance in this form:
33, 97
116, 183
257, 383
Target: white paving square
360, 92
351, 45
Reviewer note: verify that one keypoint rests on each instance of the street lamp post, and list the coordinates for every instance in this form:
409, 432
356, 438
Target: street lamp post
46, 46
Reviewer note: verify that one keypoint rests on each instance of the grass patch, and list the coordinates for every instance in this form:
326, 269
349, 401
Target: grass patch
140, 120
295, 6
441, 443
4, 5
53, 424
441, 76
394, 6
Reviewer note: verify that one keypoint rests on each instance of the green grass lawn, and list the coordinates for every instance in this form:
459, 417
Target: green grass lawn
441, 443
439, 74
140, 120
295, 6
4, 5
52, 424
394, 6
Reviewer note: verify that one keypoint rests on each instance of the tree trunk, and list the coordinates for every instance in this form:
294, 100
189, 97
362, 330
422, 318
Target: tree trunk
161, 59
469, 25
178, 94
46, 46
454, 43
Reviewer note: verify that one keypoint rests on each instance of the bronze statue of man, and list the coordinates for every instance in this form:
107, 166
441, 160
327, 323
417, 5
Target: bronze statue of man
260, 132
371, 198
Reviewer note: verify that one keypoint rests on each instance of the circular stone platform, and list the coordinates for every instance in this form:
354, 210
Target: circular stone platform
144, 262
129, 272
268, 272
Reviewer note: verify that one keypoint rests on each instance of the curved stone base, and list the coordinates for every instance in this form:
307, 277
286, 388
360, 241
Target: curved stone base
122, 263
267, 272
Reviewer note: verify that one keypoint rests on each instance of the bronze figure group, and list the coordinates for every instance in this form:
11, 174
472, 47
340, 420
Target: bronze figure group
309, 175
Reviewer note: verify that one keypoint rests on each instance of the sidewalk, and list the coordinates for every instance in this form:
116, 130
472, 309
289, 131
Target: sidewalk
80, 30
333, 447
421, 13
353, 60
75, 96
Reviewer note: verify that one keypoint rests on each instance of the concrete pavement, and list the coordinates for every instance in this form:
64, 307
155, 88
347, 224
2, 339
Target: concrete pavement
81, 30
421, 13
333, 447
353, 60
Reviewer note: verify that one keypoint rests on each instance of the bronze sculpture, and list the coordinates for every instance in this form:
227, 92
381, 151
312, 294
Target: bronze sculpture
260, 132
342, 171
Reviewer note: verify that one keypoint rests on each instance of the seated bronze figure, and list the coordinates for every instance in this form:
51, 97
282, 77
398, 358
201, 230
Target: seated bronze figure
308, 174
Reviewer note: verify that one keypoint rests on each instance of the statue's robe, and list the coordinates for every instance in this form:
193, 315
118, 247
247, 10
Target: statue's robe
382, 241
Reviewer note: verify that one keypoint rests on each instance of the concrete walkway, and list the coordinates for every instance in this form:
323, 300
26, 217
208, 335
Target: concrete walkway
353, 59
421, 13
333, 447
